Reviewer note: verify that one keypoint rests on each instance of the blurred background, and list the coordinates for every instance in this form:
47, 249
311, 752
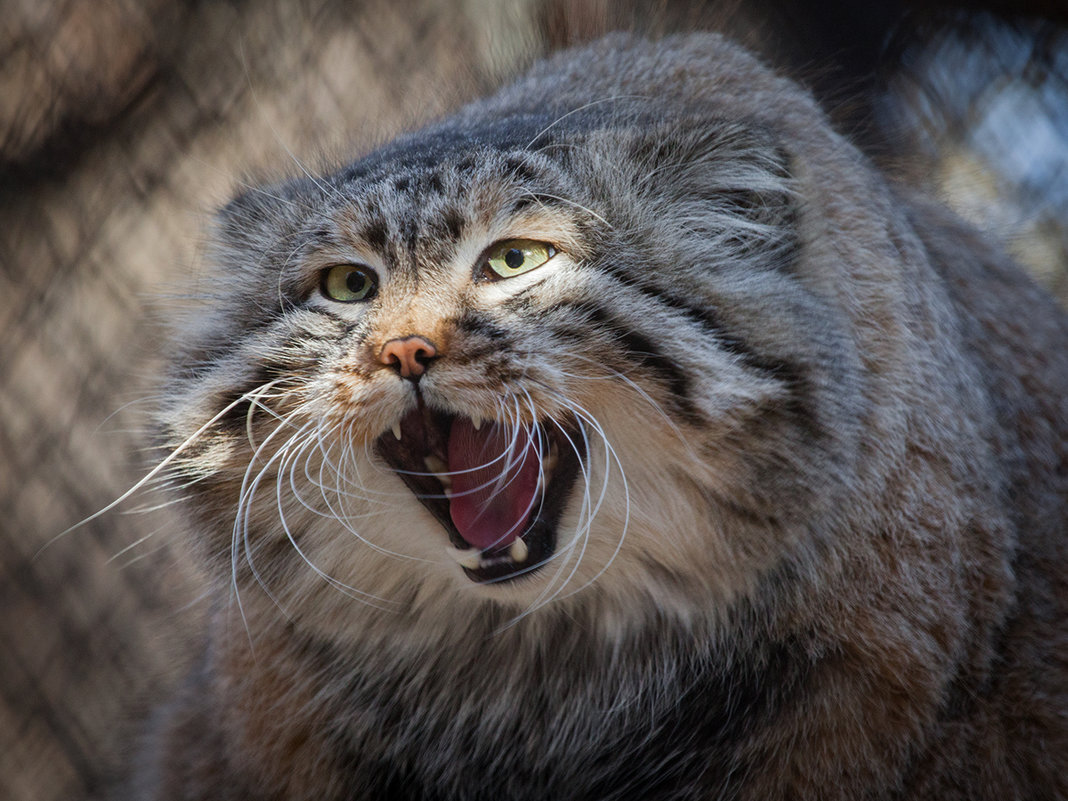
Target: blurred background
124, 123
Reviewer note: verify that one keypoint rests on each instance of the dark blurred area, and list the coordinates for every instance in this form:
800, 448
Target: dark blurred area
981, 102
123, 123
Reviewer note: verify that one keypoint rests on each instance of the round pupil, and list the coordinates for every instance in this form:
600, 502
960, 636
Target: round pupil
356, 281
514, 258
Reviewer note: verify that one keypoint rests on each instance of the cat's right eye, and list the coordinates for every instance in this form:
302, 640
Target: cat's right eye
349, 283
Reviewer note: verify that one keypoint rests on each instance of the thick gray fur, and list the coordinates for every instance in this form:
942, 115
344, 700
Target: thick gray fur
836, 568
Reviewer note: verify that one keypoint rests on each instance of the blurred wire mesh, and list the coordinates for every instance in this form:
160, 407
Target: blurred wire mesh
124, 122
984, 100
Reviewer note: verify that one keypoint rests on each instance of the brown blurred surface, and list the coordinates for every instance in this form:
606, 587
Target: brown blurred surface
122, 124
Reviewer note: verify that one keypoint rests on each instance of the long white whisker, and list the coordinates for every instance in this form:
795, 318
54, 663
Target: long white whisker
559, 557
615, 374
553, 589
245, 498
610, 453
256, 402
167, 460
570, 202
583, 107
239, 521
347, 590
576, 549
344, 519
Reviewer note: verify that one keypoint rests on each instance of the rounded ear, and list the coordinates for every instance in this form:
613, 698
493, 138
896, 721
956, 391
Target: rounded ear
739, 167
726, 181
260, 221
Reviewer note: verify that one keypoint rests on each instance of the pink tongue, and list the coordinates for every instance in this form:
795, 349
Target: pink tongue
490, 506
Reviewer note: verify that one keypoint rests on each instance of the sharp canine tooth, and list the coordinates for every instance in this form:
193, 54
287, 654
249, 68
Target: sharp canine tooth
471, 558
546, 477
396, 430
519, 551
446, 491
435, 465
445, 479
476, 421
550, 459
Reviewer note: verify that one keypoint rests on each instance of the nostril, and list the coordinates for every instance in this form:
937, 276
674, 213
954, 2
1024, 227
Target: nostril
424, 355
410, 356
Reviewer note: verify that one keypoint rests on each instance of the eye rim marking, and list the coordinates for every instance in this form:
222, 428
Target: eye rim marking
332, 290
502, 249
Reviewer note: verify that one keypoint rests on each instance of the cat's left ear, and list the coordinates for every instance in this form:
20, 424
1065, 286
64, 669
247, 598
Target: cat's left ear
733, 170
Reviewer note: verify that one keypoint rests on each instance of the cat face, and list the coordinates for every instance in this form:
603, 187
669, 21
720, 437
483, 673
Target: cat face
539, 358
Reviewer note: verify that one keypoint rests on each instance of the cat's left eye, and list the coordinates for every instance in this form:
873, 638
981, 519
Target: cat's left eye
514, 257
349, 283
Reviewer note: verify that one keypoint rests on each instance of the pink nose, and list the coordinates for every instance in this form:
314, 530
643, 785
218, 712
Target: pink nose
408, 355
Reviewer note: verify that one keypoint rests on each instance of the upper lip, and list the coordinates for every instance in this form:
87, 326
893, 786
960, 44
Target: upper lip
420, 458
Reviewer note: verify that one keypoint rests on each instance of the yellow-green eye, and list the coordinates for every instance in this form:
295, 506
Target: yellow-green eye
349, 283
515, 257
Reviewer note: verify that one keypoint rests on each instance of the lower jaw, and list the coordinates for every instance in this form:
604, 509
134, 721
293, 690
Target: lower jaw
495, 566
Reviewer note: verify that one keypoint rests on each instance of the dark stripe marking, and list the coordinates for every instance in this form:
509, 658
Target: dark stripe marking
706, 319
473, 323
640, 349
519, 168
376, 233
454, 223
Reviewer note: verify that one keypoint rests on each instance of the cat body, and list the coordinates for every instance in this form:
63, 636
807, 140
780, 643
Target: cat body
796, 444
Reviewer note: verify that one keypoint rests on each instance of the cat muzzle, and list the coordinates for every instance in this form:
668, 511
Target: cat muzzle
498, 490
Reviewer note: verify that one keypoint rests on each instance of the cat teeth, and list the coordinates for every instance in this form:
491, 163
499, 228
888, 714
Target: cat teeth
548, 465
551, 458
519, 550
396, 430
435, 465
440, 471
471, 558
476, 422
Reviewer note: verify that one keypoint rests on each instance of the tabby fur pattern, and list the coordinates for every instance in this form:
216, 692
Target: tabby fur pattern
815, 543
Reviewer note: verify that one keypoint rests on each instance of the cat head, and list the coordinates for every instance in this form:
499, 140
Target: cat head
536, 354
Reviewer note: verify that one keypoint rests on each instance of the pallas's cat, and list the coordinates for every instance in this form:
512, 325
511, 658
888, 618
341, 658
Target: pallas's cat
625, 435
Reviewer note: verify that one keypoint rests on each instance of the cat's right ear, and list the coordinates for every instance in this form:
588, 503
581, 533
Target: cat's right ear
260, 219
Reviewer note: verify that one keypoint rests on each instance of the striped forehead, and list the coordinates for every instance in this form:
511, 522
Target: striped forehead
413, 220
413, 201
410, 220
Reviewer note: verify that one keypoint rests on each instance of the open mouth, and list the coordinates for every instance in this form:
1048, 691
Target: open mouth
497, 490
